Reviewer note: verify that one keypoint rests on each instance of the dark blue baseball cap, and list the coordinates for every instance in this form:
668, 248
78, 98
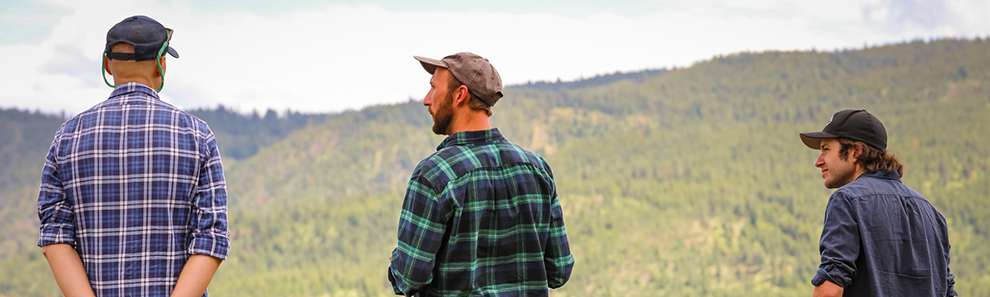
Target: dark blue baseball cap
147, 35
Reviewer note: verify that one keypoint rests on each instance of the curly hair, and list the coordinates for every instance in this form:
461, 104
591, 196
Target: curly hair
873, 159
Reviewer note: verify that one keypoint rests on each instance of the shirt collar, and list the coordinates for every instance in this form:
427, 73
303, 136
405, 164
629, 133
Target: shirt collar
882, 174
133, 87
472, 137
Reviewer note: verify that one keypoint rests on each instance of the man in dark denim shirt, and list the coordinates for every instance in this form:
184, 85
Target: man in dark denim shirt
880, 237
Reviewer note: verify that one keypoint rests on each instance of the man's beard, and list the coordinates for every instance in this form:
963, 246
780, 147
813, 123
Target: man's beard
443, 115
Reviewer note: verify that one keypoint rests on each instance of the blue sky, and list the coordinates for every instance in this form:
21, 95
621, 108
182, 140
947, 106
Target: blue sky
321, 56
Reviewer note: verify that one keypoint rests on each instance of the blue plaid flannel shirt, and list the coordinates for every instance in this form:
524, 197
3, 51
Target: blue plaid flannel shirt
136, 186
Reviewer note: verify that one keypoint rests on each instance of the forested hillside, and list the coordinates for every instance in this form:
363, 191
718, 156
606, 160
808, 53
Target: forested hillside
243, 135
691, 182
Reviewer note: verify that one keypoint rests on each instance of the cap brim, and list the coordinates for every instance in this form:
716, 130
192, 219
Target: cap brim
814, 139
171, 51
430, 64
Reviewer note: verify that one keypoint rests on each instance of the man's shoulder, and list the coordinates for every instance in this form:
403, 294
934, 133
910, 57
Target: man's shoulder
864, 184
184, 119
870, 190
452, 162
192, 118
522, 155
496, 154
443, 162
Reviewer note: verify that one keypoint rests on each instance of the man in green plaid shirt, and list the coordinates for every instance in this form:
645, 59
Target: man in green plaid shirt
481, 216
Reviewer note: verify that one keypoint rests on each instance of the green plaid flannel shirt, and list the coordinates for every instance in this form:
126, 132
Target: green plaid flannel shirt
481, 217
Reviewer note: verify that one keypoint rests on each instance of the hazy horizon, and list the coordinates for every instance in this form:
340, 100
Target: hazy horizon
313, 57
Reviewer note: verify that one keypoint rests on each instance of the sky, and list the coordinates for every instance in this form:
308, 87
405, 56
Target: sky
330, 56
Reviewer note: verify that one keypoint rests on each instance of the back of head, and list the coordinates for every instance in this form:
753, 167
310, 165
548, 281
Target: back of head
125, 69
148, 38
134, 50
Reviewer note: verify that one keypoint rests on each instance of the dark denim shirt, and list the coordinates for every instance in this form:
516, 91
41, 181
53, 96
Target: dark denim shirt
883, 239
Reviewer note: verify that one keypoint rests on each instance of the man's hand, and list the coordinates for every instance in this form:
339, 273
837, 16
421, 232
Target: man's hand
827, 289
393, 251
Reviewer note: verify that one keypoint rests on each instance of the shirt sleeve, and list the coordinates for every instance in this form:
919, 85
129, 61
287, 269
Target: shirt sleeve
557, 258
58, 223
839, 244
422, 225
950, 280
210, 234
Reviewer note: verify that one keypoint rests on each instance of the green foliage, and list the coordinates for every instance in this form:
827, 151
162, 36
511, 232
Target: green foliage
23, 134
693, 182
241, 136
597, 80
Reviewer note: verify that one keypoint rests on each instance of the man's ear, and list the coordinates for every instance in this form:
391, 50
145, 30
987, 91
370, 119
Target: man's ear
163, 70
462, 95
106, 64
856, 151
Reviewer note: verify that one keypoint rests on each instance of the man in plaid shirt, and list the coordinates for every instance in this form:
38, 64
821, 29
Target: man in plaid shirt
133, 200
481, 216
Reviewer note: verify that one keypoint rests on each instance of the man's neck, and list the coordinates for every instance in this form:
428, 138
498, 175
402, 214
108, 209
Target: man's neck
125, 80
860, 170
471, 122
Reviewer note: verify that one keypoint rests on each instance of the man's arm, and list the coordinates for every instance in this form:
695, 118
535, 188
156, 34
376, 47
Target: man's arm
951, 282
827, 289
950, 279
68, 270
209, 227
196, 276
422, 224
558, 259
58, 229
210, 234
840, 243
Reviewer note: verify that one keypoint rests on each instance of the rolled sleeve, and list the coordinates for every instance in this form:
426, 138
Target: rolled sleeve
839, 245
58, 223
210, 233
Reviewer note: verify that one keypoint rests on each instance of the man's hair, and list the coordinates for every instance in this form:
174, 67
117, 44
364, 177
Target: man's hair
872, 159
473, 102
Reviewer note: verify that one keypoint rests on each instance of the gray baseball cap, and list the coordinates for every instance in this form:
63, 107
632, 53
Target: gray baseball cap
480, 77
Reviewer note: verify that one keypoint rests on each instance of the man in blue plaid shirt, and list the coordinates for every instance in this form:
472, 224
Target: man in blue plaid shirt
481, 216
133, 200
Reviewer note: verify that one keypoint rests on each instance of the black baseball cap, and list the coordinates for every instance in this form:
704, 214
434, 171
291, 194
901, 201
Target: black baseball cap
857, 125
147, 35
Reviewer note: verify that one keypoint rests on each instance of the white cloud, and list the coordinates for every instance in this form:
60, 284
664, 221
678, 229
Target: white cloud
334, 57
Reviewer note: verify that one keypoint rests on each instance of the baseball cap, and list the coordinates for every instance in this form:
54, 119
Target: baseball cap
857, 125
147, 35
473, 71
